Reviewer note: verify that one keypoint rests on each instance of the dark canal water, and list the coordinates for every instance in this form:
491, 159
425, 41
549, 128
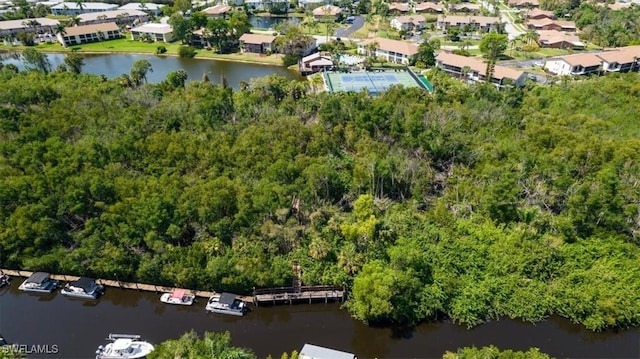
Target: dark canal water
114, 65
270, 22
77, 327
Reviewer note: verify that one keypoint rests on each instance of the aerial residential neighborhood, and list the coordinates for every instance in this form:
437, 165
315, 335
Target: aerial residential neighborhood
382, 32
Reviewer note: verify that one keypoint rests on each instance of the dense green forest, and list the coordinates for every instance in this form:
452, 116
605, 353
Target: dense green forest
469, 203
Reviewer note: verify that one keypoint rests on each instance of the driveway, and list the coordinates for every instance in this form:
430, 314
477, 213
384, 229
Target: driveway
357, 23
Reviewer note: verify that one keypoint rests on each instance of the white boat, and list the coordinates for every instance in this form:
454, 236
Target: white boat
179, 297
39, 282
226, 303
124, 346
4, 280
85, 288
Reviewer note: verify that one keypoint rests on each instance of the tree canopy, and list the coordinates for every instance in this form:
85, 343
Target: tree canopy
470, 203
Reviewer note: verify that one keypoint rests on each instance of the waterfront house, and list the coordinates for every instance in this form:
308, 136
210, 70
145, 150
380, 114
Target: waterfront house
475, 70
400, 52
119, 16
257, 43
559, 40
310, 351
156, 32
315, 62
429, 7
327, 12
13, 27
474, 23
409, 22
550, 24
82, 34
577, 64
148, 7
217, 11
72, 8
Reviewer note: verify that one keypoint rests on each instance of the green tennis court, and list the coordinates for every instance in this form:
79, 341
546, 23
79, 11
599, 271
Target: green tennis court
373, 82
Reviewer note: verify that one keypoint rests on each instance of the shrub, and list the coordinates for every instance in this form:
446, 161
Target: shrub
161, 49
187, 51
290, 59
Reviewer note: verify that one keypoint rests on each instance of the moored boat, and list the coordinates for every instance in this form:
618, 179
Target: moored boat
226, 303
178, 296
40, 282
85, 288
124, 346
4, 280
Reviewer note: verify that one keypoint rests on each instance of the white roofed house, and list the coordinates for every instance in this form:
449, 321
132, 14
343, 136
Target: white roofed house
72, 8
118, 16
13, 27
408, 22
475, 23
148, 7
310, 351
76, 35
400, 52
155, 32
312, 4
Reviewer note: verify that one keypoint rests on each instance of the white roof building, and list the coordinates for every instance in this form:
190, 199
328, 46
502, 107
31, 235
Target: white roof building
112, 15
148, 7
72, 8
158, 32
310, 351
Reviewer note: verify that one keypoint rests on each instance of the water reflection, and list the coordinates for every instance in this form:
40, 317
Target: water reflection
115, 65
78, 328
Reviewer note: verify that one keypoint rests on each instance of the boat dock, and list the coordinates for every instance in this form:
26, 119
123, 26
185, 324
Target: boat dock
292, 295
123, 285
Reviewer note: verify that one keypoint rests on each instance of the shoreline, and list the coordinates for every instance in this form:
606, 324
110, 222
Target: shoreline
18, 49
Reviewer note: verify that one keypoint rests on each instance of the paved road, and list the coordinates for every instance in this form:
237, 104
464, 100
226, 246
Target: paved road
358, 22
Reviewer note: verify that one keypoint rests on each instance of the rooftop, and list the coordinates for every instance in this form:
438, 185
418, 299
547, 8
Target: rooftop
327, 10
138, 6
22, 23
217, 9
110, 14
154, 28
586, 60
90, 29
400, 47
85, 5
310, 351
257, 38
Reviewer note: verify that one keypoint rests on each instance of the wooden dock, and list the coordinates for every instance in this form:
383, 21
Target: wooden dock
123, 285
292, 295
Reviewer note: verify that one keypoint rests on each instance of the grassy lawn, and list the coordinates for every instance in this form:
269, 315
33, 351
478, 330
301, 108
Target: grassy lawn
137, 47
321, 28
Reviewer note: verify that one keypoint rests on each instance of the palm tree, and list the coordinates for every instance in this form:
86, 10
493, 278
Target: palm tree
74, 21
60, 29
101, 37
80, 5
465, 71
371, 48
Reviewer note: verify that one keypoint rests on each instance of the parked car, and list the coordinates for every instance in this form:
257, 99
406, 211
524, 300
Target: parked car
349, 20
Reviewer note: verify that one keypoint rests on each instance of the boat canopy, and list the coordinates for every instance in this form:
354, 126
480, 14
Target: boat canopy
227, 298
38, 277
121, 344
84, 283
178, 293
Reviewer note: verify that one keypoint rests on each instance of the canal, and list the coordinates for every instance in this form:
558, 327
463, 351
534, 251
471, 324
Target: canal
114, 65
77, 327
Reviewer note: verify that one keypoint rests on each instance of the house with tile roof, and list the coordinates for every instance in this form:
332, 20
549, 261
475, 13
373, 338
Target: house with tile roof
475, 23
559, 40
474, 70
257, 43
576, 64
76, 35
408, 22
400, 52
